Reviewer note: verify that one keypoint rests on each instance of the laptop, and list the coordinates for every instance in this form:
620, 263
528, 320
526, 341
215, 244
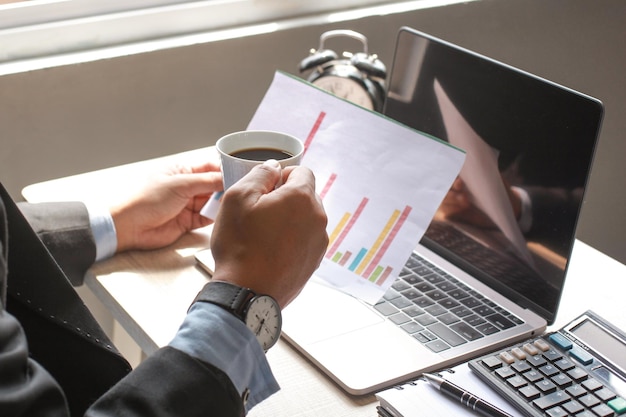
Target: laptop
490, 269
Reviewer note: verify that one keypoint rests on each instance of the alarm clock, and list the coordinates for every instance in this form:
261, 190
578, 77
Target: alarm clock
358, 77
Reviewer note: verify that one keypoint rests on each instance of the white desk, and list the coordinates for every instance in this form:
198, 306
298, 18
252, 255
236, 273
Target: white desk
149, 292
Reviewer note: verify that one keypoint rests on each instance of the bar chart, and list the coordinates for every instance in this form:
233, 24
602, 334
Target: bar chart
379, 181
363, 261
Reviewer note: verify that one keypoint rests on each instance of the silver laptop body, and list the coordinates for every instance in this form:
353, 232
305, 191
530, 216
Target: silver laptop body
540, 137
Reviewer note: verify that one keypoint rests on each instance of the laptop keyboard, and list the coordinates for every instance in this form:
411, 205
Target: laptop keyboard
438, 310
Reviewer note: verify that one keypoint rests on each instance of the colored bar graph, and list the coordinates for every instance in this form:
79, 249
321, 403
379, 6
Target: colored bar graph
384, 276
345, 258
378, 242
381, 251
343, 228
376, 274
367, 262
358, 258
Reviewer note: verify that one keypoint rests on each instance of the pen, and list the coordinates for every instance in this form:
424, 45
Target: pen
467, 399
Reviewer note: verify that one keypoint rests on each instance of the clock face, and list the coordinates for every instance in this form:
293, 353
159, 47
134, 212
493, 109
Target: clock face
264, 319
345, 88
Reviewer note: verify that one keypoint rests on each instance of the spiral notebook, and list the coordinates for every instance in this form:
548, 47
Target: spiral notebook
418, 398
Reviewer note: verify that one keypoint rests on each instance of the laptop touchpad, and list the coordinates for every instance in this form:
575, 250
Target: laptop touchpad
321, 312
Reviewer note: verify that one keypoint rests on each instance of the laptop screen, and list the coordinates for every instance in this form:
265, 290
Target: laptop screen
510, 217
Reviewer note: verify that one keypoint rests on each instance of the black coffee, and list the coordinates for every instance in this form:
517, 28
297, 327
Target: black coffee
261, 154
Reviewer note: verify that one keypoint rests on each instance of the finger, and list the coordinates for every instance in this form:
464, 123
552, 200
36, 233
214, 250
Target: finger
299, 176
191, 185
262, 178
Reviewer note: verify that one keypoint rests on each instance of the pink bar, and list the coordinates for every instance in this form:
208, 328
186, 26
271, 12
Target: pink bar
381, 252
351, 222
384, 276
345, 258
313, 131
328, 184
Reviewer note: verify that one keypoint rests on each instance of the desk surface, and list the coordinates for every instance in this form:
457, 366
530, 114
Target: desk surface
149, 292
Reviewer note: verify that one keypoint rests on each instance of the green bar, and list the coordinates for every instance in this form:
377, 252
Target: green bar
336, 257
376, 273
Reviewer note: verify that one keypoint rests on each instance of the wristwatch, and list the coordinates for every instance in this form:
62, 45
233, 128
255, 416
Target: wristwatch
260, 313
357, 77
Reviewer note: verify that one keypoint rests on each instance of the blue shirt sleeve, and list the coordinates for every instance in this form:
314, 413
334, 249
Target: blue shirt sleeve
103, 230
215, 336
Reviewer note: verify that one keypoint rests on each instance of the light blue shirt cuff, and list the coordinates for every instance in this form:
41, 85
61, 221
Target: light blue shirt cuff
217, 337
104, 233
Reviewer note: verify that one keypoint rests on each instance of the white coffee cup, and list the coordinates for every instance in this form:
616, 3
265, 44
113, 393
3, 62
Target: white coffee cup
242, 151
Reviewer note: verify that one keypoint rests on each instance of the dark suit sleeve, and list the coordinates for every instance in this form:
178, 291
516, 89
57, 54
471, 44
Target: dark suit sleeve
27, 389
171, 383
64, 229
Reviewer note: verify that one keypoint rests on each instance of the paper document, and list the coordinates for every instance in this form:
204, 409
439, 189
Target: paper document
380, 182
481, 174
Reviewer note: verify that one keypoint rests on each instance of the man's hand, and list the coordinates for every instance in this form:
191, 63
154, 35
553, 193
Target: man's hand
270, 240
167, 207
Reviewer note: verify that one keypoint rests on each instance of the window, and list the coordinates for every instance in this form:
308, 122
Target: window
42, 28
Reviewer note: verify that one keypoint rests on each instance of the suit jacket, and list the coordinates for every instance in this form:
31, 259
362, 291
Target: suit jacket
55, 360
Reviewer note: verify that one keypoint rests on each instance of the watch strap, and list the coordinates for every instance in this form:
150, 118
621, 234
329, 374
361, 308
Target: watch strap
229, 296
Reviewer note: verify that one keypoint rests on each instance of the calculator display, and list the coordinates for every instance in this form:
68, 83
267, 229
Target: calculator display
600, 340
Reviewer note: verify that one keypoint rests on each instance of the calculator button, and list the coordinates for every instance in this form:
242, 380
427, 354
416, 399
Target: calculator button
533, 376
529, 392
552, 355
618, 404
542, 345
516, 381
551, 400
561, 341
549, 370
576, 390
589, 400
556, 412
505, 372
564, 364
573, 407
603, 410
562, 380
492, 362
531, 349
605, 394
546, 386
518, 353
507, 357
521, 367
592, 384
577, 374
581, 355
536, 360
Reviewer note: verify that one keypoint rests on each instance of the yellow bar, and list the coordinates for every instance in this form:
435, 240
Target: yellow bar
338, 228
379, 241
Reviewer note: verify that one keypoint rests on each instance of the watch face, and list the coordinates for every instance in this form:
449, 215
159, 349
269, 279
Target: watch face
345, 88
264, 319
